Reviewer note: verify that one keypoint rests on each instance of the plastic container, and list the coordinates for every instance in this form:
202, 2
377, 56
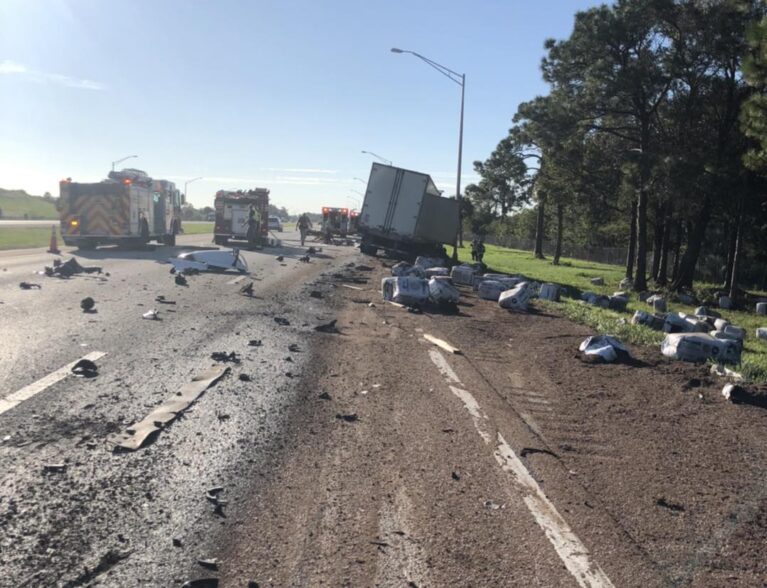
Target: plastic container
437, 271
443, 292
463, 274
408, 290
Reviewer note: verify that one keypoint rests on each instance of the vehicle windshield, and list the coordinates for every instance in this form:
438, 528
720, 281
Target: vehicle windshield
397, 294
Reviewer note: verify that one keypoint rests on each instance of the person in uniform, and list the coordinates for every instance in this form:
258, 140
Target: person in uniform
303, 225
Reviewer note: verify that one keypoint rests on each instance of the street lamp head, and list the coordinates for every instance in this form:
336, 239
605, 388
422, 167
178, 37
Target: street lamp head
395, 50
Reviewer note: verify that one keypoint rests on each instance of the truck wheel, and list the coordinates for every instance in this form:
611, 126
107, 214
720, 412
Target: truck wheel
170, 240
220, 240
369, 250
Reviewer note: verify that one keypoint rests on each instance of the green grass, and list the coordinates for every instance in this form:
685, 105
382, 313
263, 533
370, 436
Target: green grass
26, 237
16, 203
196, 228
576, 274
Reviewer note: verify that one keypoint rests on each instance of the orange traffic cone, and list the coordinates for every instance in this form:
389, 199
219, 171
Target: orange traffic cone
53, 247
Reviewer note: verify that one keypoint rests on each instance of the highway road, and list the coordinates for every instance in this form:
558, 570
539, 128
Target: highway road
361, 454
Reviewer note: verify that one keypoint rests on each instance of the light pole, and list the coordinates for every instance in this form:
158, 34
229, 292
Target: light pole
114, 163
386, 161
186, 184
459, 79
360, 180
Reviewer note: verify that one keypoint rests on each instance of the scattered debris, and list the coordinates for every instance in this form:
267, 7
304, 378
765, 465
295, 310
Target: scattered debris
463, 274
761, 308
280, 258
549, 292
352, 287
761, 333
29, 286
162, 300
180, 280
255, 343
87, 304
669, 505
328, 327
315, 294
245, 378
617, 303
349, 418
54, 468
210, 564
741, 395
455, 475
653, 321
305, 259
443, 293
69, 268
598, 281
294, 348
282, 321
217, 260
247, 289
725, 302
407, 290
443, 344
152, 315
137, 434
365, 268
516, 298
201, 583
489, 504
324, 396
177, 542
605, 347
85, 368
225, 357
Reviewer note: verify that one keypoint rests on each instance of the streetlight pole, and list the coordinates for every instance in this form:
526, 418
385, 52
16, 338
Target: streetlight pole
114, 163
459, 79
186, 184
386, 161
360, 180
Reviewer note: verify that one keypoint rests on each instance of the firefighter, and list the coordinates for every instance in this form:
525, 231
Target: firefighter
143, 226
254, 221
303, 225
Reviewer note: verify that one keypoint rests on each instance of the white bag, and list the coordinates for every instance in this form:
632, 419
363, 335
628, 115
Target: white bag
428, 262
436, 271
549, 292
408, 290
463, 274
516, 298
699, 347
443, 292
605, 346
490, 290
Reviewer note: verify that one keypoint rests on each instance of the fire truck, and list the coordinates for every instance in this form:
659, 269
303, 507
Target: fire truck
335, 221
129, 209
354, 221
232, 209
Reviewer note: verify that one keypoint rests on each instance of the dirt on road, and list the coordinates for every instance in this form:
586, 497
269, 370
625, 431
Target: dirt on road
383, 479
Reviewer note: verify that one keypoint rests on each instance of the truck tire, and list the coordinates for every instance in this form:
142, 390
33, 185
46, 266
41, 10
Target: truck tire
170, 240
369, 250
220, 241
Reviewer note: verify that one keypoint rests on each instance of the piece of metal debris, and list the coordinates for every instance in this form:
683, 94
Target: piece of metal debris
29, 286
85, 368
55, 468
230, 357
210, 564
282, 321
255, 343
139, 433
151, 315
443, 344
328, 327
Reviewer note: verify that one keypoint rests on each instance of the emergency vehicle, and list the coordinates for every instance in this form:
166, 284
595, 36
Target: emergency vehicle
232, 210
129, 208
354, 221
335, 221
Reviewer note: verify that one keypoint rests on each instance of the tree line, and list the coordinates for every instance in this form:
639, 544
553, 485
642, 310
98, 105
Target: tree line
653, 136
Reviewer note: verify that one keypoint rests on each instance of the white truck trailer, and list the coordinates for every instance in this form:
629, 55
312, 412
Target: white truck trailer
404, 213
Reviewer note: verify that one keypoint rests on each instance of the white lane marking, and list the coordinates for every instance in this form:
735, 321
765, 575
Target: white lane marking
27, 392
571, 551
235, 280
443, 367
569, 548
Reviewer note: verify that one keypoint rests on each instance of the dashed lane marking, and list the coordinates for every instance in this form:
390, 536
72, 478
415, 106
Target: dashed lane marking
569, 548
27, 392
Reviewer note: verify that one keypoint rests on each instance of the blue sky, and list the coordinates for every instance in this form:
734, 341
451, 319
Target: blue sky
281, 94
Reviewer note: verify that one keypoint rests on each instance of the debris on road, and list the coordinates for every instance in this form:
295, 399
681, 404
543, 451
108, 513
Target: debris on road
443, 293
700, 347
279, 258
247, 289
605, 347
283, 322
29, 286
328, 327
598, 281
324, 396
225, 357
245, 378
162, 300
54, 468
294, 348
441, 343
210, 564
201, 583
180, 280
349, 418
315, 294
352, 287
85, 368
87, 304
69, 268
152, 315
137, 434
217, 260
255, 343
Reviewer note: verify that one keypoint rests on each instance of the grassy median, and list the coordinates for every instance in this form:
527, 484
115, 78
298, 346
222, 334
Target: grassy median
576, 275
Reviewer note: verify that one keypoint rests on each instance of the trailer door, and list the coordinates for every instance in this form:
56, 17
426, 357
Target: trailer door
408, 202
